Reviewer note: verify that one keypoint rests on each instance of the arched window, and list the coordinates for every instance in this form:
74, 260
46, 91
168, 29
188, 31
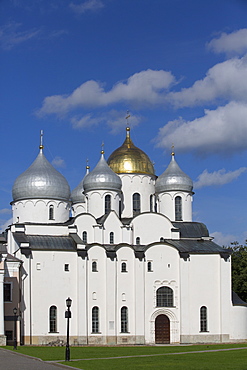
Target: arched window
178, 209
94, 266
107, 204
149, 266
53, 319
138, 240
95, 319
123, 267
203, 319
151, 203
51, 212
124, 320
111, 237
164, 297
84, 237
136, 204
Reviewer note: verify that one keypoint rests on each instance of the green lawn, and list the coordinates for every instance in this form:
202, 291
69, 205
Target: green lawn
236, 359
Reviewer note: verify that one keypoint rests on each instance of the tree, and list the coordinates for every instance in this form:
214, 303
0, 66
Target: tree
239, 269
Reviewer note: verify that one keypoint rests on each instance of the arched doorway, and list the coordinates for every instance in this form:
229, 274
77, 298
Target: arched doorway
162, 329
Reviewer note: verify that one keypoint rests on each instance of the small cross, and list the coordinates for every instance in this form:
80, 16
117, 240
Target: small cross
127, 117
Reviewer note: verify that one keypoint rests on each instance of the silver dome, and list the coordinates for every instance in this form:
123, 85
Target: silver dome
77, 195
173, 179
102, 178
41, 181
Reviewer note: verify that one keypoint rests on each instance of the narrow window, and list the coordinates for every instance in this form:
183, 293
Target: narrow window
66, 267
136, 204
9, 334
123, 267
84, 237
178, 209
111, 237
164, 297
51, 212
203, 319
138, 240
7, 292
149, 266
53, 319
95, 319
107, 204
151, 203
124, 320
94, 266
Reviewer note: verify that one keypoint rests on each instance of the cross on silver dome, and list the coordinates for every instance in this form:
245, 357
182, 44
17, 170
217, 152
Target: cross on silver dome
41, 181
173, 178
102, 178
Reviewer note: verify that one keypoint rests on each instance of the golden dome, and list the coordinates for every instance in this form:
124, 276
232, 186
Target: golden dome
130, 159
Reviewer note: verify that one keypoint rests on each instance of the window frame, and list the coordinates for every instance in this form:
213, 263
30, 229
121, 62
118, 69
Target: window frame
124, 266
95, 319
10, 293
94, 266
136, 204
111, 237
107, 204
178, 208
164, 297
124, 319
203, 319
53, 319
84, 237
51, 212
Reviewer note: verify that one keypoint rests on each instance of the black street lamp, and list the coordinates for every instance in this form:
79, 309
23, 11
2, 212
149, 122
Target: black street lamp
68, 316
15, 331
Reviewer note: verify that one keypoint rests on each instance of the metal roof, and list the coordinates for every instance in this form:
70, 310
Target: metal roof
41, 181
195, 246
191, 229
46, 242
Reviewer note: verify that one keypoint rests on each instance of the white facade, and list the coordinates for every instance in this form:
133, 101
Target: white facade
139, 273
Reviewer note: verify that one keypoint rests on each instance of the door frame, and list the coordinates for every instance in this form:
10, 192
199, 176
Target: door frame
174, 325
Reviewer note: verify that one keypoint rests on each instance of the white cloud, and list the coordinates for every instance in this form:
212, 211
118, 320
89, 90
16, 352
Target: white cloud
89, 5
4, 226
235, 42
217, 178
146, 87
10, 35
5, 211
226, 80
223, 240
223, 130
58, 162
115, 119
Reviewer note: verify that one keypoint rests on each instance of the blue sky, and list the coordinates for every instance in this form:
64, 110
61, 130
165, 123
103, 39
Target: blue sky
74, 67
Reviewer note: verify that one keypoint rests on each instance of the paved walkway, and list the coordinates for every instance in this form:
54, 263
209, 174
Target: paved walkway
10, 360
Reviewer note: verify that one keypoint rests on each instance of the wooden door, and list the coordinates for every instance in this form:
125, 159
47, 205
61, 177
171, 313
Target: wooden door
162, 329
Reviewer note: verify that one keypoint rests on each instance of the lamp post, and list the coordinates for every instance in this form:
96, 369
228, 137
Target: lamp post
15, 331
68, 316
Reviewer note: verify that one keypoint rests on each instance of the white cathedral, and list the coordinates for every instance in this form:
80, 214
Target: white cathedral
122, 245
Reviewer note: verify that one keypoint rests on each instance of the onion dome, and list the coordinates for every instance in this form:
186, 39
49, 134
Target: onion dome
41, 181
77, 195
130, 159
102, 178
173, 179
